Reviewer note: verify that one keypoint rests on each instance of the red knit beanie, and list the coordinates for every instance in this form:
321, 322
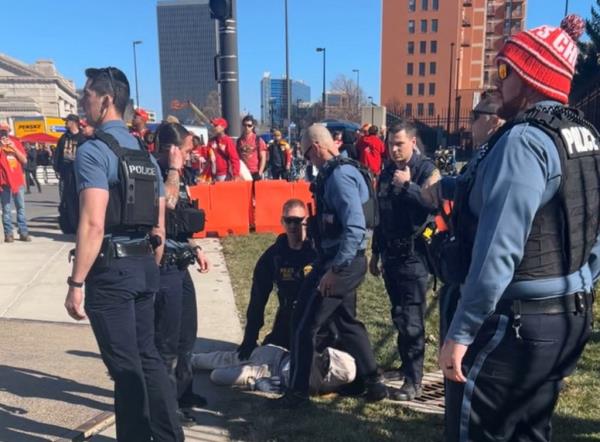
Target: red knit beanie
545, 57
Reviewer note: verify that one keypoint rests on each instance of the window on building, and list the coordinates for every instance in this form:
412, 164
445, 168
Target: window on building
430, 109
420, 109
424, 5
506, 26
424, 26
409, 89
433, 46
411, 26
431, 88
435, 5
432, 68
434, 25
491, 9
518, 10
486, 77
409, 69
516, 26
412, 5
421, 89
422, 47
421, 69
408, 110
411, 47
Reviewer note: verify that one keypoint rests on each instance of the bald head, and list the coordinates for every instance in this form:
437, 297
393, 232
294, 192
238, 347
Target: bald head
318, 145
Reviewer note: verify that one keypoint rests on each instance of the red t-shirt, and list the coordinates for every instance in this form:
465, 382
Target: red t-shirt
248, 151
11, 170
226, 156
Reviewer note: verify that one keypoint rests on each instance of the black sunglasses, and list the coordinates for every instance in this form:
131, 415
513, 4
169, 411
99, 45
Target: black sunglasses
248, 125
293, 220
476, 114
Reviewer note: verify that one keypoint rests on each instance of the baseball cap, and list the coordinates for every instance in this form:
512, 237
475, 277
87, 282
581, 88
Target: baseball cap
219, 122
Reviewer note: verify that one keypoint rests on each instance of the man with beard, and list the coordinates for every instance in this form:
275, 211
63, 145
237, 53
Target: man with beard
526, 218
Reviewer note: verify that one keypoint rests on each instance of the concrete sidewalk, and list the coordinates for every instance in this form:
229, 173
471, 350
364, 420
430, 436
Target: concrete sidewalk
51, 378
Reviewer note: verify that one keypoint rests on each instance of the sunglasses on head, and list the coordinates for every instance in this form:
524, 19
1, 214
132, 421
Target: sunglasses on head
503, 70
293, 220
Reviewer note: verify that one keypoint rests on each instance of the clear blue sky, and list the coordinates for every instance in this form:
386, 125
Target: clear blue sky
80, 34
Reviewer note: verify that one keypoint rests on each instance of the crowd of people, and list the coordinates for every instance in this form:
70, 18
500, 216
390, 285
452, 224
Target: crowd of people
518, 256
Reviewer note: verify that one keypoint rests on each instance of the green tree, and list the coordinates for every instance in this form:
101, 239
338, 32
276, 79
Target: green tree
588, 63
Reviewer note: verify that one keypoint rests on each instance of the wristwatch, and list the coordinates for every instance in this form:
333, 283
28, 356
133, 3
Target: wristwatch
74, 284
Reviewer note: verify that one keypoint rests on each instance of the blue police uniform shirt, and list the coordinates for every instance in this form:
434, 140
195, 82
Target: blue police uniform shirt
345, 192
97, 167
519, 176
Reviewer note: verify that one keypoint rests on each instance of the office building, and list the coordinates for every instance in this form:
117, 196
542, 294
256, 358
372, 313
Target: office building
187, 41
34, 90
436, 51
273, 98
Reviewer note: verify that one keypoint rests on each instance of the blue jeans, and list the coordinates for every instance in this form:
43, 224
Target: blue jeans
19, 199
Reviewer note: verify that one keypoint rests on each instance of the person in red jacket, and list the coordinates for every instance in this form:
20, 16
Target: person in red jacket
252, 149
227, 161
371, 149
12, 184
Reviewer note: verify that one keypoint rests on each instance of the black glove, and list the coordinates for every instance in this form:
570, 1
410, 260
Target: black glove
245, 349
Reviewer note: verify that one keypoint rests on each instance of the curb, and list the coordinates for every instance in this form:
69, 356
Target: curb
89, 428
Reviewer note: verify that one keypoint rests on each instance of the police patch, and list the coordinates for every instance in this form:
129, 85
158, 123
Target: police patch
307, 269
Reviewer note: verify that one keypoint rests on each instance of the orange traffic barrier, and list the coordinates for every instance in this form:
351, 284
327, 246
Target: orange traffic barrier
301, 191
229, 208
269, 196
201, 193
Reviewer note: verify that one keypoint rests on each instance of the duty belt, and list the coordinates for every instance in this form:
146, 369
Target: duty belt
574, 303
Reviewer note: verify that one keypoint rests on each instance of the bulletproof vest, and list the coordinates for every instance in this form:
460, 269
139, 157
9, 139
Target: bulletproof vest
133, 199
186, 219
401, 218
565, 229
329, 226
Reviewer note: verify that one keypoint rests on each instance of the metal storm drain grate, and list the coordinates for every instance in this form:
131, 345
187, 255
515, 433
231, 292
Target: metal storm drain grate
432, 400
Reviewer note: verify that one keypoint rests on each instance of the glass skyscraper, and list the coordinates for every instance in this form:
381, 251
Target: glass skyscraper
187, 42
273, 98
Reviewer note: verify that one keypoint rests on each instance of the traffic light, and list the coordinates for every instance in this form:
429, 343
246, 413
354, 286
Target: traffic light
220, 9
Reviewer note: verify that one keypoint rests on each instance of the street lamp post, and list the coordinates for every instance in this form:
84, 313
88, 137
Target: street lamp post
137, 93
324, 51
372, 109
450, 92
357, 72
288, 84
566, 7
272, 111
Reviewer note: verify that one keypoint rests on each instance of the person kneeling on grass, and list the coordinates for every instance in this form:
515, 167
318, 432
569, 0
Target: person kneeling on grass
268, 369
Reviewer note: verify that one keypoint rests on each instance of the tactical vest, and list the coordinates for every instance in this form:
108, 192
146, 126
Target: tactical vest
186, 219
565, 229
290, 267
133, 199
327, 223
402, 219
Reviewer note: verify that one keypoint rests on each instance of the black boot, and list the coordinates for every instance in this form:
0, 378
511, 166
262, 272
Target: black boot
291, 400
407, 392
375, 389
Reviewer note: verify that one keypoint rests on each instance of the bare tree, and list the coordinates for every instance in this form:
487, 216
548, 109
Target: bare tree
346, 98
395, 106
212, 105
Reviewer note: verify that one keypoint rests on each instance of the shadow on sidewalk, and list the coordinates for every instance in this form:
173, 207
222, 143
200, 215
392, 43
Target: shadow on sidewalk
14, 427
27, 383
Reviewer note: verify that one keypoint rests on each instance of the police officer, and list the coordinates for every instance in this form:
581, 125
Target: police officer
330, 289
114, 257
527, 221
176, 319
398, 239
284, 264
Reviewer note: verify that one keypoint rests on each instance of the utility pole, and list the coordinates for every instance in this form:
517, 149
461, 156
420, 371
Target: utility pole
324, 51
287, 73
227, 67
137, 93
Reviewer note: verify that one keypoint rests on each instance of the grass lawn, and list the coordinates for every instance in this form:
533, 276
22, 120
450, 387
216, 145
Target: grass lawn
345, 419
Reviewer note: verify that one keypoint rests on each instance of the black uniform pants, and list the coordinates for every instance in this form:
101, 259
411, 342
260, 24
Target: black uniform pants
313, 310
513, 383
406, 284
176, 322
119, 302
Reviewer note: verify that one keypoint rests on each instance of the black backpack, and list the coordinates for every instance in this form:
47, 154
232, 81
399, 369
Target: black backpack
68, 208
371, 206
